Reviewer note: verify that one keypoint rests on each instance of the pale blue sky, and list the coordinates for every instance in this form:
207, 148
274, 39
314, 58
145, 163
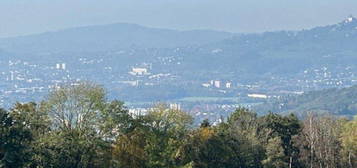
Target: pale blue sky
19, 17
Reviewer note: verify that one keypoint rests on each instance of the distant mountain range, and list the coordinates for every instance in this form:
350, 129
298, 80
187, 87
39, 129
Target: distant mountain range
109, 37
340, 102
271, 52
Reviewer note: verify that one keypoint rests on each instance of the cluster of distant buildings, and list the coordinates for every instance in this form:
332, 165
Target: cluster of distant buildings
61, 66
217, 84
24, 78
142, 111
22, 81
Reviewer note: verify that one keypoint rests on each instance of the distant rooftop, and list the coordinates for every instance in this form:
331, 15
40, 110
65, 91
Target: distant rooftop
350, 19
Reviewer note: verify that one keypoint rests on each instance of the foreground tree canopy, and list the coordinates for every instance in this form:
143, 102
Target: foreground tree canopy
77, 127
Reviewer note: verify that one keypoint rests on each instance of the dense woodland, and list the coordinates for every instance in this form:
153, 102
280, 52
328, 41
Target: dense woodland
77, 127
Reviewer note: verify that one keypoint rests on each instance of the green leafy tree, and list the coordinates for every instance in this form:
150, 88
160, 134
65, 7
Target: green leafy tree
115, 120
243, 125
275, 154
20, 129
36, 121
167, 128
34, 115
15, 140
69, 149
286, 128
76, 107
153, 140
83, 127
206, 147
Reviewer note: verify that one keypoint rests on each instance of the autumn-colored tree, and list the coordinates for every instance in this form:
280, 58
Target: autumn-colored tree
349, 143
129, 150
77, 127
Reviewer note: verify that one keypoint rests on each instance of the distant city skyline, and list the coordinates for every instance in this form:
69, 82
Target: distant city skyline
22, 17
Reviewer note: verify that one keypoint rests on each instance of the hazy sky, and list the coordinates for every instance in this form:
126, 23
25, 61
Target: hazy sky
19, 17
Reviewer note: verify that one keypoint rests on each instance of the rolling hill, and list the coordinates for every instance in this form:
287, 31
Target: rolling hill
339, 102
107, 38
284, 52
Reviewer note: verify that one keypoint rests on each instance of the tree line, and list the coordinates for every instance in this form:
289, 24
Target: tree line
77, 127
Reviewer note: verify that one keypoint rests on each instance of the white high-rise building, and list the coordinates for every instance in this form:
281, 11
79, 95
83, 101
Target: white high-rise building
175, 106
217, 84
61, 66
12, 75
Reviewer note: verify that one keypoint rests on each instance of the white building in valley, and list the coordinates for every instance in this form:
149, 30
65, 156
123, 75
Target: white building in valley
139, 71
217, 84
260, 96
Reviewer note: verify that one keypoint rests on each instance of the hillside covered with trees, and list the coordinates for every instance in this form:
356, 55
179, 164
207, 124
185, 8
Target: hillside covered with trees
76, 127
339, 102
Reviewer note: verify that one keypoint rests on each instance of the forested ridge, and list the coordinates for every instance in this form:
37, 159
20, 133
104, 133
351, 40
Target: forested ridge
77, 127
339, 102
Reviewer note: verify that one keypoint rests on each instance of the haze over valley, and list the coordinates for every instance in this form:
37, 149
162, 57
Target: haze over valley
205, 72
178, 84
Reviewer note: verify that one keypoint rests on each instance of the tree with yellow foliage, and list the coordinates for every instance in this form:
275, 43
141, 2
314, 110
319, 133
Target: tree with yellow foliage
349, 143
